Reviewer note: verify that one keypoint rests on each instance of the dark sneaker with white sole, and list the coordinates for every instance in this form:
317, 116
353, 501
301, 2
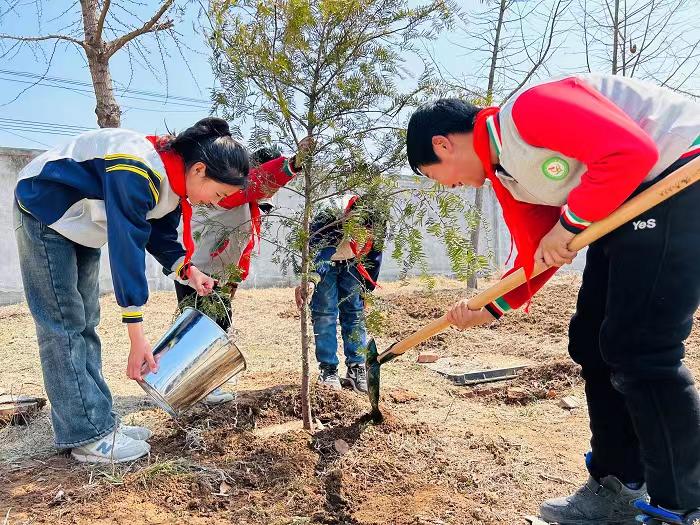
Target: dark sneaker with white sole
357, 377
608, 501
329, 377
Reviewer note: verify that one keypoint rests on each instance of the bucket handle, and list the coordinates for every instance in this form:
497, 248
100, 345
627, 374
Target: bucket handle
218, 296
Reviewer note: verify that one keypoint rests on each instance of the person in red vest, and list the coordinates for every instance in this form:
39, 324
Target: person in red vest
560, 155
228, 232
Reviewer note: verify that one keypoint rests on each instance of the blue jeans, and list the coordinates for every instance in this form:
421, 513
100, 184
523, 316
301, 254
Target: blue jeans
61, 285
338, 292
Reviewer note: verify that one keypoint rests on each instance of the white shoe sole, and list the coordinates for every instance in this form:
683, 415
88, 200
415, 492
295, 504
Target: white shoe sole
332, 386
216, 402
89, 458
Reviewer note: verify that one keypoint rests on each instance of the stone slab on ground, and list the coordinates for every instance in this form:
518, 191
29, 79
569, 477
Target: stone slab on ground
570, 402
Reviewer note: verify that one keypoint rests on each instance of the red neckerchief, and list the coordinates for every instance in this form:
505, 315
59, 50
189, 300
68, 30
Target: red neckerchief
175, 170
356, 249
518, 230
244, 261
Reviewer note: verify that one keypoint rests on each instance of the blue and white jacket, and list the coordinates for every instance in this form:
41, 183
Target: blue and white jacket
115, 178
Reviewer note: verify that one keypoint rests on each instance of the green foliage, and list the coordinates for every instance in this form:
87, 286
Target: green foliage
333, 69
213, 305
375, 314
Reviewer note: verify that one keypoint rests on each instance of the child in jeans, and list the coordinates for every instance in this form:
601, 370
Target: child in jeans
127, 188
344, 270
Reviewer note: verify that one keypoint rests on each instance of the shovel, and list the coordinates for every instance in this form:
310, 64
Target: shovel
659, 192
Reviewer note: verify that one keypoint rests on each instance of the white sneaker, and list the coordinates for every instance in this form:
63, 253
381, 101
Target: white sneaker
115, 447
329, 377
218, 397
134, 432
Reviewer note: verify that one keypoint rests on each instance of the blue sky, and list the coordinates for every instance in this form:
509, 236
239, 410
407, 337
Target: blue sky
62, 106
69, 108
66, 107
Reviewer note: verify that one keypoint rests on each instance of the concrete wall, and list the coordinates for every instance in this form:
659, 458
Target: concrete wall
11, 161
264, 272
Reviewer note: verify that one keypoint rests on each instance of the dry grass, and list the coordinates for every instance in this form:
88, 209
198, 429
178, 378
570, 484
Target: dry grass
444, 456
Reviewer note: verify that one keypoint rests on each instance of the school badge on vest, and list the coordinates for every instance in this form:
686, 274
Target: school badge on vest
555, 168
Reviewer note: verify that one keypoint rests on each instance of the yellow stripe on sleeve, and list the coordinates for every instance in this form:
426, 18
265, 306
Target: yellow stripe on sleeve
117, 156
138, 171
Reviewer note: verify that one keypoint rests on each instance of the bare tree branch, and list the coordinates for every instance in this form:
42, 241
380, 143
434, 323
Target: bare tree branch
152, 26
42, 38
101, 20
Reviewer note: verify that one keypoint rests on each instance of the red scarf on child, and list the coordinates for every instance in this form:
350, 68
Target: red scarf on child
356, 249
175, 170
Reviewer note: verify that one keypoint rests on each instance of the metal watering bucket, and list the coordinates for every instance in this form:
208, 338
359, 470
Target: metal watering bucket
194, 357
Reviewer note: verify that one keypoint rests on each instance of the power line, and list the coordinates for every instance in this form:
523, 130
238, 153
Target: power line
67, 127
90, 92
121, 92
58, 133
23, 137
12, 126
82, 83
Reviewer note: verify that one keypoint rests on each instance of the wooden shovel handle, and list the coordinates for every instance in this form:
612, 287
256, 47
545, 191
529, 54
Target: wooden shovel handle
657, 193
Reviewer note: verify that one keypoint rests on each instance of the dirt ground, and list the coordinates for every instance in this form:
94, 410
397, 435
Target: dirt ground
445, 454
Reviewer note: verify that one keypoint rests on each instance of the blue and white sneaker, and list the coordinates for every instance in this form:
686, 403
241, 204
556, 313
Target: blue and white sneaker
113, 448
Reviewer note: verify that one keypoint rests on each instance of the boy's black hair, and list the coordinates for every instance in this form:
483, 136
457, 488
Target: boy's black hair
210, 141
442, 117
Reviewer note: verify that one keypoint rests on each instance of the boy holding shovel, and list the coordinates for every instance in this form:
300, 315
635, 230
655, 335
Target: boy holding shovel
561, 155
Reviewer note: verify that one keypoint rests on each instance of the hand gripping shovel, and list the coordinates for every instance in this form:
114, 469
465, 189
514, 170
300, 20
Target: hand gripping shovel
659, 192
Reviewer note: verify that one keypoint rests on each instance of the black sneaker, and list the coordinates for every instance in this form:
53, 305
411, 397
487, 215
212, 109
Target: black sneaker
357, 377
607, 501
329, 377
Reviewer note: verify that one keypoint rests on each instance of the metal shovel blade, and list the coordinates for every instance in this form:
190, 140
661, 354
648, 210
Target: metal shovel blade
373, 372
373, 363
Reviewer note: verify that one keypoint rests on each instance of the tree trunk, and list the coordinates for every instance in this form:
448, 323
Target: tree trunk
107, 110
616, 40
496, 229
479, 197
304, 318
494, 51
474, 235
